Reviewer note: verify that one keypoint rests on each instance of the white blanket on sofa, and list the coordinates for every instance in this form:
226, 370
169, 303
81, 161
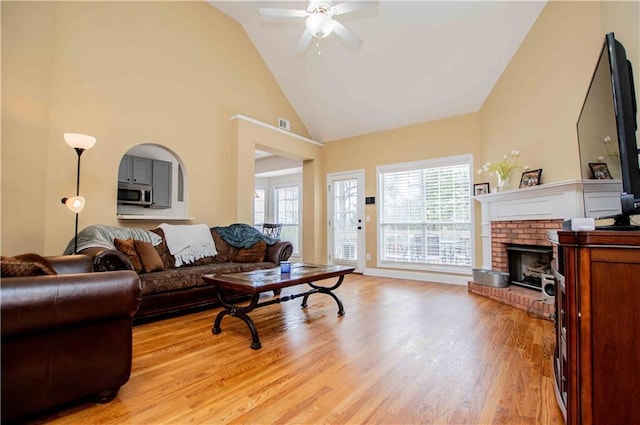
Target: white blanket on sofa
188, 243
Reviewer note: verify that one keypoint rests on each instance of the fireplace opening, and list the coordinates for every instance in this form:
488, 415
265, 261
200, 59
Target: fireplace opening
529, 264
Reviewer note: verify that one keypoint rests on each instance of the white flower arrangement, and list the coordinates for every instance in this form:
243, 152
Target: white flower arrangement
611, 151
504, 167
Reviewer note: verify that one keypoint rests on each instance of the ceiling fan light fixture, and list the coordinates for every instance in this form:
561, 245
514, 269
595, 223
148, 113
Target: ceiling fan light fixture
319, 24
319, 20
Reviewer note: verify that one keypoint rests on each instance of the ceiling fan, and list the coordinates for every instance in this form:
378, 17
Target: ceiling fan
319, 20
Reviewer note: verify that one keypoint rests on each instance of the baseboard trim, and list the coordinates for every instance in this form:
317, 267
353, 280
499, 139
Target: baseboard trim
452, 279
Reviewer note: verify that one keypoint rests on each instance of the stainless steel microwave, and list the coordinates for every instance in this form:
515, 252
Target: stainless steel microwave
135, 194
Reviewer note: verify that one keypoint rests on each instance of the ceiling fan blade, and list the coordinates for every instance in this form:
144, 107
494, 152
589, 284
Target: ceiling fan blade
346, 34
282, 13
352, 6
303, 43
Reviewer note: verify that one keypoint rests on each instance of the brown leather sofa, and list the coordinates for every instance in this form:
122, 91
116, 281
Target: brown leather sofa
178, 290
65, 337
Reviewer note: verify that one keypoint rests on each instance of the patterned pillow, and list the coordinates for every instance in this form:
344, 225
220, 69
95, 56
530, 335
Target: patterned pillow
255, 254
151, 261
25, 265
127, 247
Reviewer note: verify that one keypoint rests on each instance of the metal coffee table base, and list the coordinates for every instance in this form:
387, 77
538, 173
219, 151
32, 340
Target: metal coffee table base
241, 311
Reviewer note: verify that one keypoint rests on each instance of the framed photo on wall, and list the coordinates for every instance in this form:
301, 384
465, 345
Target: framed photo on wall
531, 178
600, 171
480, 189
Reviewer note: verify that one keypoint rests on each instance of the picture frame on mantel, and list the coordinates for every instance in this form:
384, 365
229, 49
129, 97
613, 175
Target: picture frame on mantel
480, 189
531, 178
600, 171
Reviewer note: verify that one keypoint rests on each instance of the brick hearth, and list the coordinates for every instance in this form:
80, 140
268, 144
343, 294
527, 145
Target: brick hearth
515, 296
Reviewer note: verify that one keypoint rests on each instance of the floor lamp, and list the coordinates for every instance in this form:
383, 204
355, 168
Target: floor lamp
79, 142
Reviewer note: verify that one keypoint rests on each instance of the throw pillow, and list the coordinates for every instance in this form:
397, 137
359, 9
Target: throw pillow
25, 265
255, 254
127, 247
151, 261
225, 251
167, 258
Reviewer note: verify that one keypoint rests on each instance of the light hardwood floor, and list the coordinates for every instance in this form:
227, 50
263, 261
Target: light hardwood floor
405, 352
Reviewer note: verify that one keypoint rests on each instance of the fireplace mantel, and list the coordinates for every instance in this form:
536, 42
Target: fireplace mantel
559, 200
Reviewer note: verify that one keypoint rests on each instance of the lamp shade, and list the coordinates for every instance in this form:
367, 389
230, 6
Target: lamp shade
320, 25
79, 141
75, 203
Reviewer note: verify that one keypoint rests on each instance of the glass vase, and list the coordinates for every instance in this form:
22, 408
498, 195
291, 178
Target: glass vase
504, 182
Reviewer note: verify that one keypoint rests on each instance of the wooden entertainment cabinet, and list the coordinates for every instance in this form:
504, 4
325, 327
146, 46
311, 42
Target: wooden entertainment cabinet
597, 326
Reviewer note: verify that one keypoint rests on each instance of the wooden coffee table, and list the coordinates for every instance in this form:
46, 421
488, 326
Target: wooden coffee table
259, 281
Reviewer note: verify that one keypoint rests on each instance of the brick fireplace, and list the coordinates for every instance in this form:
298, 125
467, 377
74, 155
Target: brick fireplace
523, 217
518, 232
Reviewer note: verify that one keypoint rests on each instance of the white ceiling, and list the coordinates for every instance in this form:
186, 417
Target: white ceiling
420, 60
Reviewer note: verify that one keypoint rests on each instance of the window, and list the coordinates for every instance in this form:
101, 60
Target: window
259, 207
425, 213
287, 200
344, 218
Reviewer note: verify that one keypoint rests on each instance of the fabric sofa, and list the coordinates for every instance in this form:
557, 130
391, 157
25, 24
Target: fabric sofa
170, 289
65, 336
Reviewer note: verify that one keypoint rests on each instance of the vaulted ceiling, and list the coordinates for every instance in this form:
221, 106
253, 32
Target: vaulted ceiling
420, 60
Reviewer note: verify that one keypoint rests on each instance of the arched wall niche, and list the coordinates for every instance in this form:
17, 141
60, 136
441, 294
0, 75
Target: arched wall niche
179, 185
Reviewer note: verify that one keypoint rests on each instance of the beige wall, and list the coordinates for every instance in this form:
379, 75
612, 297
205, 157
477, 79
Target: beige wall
533, 107
171, 73
174, 73
435, 139
535, 104
27, 54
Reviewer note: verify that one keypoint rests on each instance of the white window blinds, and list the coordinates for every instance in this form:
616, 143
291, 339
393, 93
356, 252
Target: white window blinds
425, 212
288, 213
259, 196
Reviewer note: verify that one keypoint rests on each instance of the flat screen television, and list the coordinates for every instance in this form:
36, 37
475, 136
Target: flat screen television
607, 133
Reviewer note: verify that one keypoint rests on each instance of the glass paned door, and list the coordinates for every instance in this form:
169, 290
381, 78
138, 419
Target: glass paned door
346, 227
